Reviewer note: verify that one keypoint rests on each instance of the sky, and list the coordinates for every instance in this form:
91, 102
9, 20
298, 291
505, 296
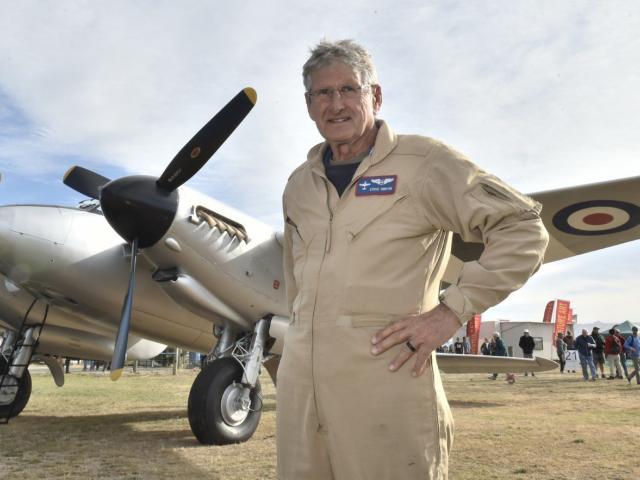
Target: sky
544, 94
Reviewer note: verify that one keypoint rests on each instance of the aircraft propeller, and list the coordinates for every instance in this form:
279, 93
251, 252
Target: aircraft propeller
141, 208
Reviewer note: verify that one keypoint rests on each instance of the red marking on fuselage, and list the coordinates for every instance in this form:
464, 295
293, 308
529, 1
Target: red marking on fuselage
598, 219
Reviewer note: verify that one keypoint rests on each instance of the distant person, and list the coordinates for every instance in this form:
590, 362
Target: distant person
466, 345
569, 340
623, 355
571, 344
497, 350
632, 347
485, 348
585, 345
458, 346
598, 352
527, 345
612, 349
561, 349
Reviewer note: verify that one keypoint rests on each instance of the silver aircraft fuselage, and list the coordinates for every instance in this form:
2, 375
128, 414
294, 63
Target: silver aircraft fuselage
72, 259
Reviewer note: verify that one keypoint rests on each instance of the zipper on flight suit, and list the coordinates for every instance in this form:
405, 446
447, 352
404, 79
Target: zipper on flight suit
327, 249
327, 244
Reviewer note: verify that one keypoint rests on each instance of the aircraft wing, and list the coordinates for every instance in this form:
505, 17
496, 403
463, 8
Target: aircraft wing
452, 363
579, 220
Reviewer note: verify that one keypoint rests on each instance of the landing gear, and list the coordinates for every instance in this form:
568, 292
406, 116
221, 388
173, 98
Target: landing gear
219, 412
224, 402
12, 404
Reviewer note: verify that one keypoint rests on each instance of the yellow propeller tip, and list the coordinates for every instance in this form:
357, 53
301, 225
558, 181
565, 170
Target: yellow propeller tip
251, 94
68, 172
115, 374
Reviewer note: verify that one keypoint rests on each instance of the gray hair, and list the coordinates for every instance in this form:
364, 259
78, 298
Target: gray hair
344, 51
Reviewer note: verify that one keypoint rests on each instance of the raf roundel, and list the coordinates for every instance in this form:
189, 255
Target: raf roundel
597, 217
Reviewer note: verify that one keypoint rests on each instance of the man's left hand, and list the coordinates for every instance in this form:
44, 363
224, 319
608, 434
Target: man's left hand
425, 332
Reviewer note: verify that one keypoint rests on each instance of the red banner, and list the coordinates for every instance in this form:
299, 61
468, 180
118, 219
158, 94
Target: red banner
570, 317
563, 317
548, 310
473, 332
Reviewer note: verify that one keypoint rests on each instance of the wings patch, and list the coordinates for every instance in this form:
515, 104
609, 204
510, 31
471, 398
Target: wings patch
383, 185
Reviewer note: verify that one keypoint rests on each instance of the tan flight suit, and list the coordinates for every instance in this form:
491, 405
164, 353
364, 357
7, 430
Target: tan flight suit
355, 263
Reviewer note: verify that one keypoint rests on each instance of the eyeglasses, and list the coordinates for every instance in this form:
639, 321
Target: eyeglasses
346, 92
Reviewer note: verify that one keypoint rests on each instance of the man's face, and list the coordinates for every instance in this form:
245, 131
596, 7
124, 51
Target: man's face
584, 333
339, 119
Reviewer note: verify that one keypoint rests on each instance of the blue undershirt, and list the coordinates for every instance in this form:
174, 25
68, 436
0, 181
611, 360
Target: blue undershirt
339, 174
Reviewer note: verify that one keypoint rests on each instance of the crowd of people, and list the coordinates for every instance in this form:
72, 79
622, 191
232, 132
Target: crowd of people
594, 351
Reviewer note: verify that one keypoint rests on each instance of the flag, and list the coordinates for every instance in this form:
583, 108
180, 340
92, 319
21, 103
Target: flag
473, 332
563, 317
548, 311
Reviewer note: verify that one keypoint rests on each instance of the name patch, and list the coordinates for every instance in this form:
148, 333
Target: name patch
385, 185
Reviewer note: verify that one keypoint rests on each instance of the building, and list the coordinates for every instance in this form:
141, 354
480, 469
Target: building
511, 332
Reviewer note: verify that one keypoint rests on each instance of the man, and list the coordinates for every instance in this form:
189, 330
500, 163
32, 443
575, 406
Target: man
561, 348
458, 346
466, 343
598, 352
612, 349
585, 345
623, 354
367, 238
497, 350
568, 339
571, 345
527, 344
632, 347
485, 348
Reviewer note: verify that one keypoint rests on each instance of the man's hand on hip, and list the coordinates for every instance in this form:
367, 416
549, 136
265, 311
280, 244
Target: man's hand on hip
424, 333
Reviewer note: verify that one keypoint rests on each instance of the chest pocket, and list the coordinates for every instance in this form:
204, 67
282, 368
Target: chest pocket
373, 218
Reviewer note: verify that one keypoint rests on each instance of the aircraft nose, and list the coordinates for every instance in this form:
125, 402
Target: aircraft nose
137, 208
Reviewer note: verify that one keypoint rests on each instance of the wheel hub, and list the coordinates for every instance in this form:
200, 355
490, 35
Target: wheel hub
234, 407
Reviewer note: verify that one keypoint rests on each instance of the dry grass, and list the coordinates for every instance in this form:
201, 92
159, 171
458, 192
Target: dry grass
550, 427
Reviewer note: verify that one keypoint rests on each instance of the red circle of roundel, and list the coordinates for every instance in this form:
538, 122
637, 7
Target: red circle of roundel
598, 219
629, 217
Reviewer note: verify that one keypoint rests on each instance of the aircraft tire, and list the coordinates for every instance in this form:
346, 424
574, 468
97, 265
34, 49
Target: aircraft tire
206, 401
24, 394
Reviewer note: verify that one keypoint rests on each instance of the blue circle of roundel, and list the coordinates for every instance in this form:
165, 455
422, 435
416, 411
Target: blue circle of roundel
560, 219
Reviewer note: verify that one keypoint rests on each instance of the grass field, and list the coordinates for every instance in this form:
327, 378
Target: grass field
547, 427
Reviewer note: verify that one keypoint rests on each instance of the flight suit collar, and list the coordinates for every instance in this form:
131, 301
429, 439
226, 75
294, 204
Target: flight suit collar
386, 141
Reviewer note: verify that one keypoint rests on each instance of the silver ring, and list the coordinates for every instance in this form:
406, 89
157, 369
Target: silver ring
410, 346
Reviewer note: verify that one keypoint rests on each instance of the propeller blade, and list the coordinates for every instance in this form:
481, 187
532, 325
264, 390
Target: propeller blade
120, 350
205, 143
85, 181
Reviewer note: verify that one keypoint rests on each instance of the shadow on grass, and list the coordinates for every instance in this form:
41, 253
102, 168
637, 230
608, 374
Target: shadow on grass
159, 435
469, 404
135, 426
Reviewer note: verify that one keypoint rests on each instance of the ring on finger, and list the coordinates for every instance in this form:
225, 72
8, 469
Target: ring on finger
410, 346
